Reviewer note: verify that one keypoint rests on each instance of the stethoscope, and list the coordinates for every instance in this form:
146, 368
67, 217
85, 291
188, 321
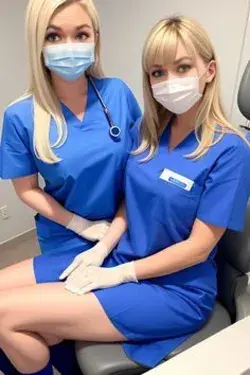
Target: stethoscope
114, 130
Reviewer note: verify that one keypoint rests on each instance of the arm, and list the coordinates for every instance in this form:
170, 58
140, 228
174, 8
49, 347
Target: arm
194, 250
190, 252
96, 255
222, 205
117, 229
31, 194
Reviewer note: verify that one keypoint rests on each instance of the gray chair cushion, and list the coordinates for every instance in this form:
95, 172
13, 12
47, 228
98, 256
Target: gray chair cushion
110, 359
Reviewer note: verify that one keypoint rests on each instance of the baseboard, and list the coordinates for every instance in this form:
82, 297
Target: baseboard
29, 234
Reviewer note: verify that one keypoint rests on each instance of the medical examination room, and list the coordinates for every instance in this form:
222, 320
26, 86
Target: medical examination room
124, 187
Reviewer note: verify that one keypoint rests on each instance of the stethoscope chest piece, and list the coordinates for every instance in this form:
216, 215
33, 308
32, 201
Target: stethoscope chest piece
114, 131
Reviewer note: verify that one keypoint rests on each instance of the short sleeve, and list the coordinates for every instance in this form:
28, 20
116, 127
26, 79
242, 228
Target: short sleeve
16, 159
134, 111
227, 189
135, 132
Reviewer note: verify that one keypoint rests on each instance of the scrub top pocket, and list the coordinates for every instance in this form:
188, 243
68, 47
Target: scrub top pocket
176, 207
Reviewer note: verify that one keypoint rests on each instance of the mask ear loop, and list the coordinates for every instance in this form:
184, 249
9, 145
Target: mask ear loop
200, 76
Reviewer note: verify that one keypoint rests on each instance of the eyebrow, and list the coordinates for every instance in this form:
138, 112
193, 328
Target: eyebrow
77, 27
176, 62
182, 58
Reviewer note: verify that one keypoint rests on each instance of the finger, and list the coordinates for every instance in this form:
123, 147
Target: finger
77, 273
87, 289
70, 269
76, 284
77, 287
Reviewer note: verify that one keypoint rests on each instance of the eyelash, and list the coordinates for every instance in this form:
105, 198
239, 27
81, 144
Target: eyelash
180, 69
185, 67
156, 75
51, 37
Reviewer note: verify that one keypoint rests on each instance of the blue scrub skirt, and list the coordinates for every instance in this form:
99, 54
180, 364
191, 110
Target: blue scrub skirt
154, 318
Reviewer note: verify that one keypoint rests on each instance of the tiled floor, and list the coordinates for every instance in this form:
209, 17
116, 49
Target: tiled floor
18, 250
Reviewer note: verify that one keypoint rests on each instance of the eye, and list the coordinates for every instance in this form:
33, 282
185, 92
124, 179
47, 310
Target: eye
183, 68
52, 37
158, 73
82, 36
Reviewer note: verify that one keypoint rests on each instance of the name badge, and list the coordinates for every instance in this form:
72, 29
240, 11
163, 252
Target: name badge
176, 179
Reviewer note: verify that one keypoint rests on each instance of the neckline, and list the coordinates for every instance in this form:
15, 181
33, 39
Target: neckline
165, 138
69, 113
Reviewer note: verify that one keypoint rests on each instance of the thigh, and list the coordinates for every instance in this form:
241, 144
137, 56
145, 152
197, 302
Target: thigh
51, 309
48, 267
17, 275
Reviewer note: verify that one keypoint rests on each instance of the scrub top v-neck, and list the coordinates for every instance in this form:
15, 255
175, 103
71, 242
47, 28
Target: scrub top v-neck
164, 197
89, 179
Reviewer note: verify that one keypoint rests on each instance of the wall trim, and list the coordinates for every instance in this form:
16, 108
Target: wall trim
19, 238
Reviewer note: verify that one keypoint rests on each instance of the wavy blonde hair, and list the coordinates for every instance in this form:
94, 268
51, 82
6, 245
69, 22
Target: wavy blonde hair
46, 103
160, 48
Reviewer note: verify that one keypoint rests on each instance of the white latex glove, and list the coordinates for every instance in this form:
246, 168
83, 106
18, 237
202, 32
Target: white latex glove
92, 278
93, 257
91, 230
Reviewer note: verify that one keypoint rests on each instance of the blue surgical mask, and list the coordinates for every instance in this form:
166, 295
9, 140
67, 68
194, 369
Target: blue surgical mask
69, 60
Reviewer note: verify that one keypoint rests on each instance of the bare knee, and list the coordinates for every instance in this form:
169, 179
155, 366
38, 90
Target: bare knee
6, 315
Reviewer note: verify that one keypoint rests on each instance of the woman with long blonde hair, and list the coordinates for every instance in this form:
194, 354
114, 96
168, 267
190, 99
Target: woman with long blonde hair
59, 129
187, 181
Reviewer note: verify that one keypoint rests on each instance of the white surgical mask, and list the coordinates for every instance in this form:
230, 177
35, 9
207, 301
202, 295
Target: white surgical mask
178, 95
69, 60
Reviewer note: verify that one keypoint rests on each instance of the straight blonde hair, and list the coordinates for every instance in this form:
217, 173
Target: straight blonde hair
45, 102
160, 48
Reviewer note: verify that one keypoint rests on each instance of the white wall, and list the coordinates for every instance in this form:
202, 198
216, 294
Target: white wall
125, 24
13, 81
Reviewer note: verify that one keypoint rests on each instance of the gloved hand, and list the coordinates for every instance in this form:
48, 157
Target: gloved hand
93, 257
91, 230
92, 278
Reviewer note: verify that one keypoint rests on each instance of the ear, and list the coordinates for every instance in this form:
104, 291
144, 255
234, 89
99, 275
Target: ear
96, 36
211, 71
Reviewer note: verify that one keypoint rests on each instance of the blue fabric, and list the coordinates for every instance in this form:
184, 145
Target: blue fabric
89, 180
6, 366
63, 358
159, 314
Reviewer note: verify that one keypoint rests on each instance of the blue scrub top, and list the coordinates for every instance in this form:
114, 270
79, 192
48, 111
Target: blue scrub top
164, 196
89, 179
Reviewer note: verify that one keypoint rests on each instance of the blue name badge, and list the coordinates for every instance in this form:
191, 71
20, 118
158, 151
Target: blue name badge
176, 179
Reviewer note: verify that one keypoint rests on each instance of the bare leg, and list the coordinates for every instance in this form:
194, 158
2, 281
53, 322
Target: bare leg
27, 315
18, 276
21, 275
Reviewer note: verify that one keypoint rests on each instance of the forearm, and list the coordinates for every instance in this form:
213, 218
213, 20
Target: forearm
46, 205
117, 228
170, 260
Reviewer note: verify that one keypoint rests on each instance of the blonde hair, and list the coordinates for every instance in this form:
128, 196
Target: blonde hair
46, 103
160, 48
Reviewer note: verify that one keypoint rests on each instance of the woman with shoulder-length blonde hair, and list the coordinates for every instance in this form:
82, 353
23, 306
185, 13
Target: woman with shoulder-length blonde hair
187, 181
60, 129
